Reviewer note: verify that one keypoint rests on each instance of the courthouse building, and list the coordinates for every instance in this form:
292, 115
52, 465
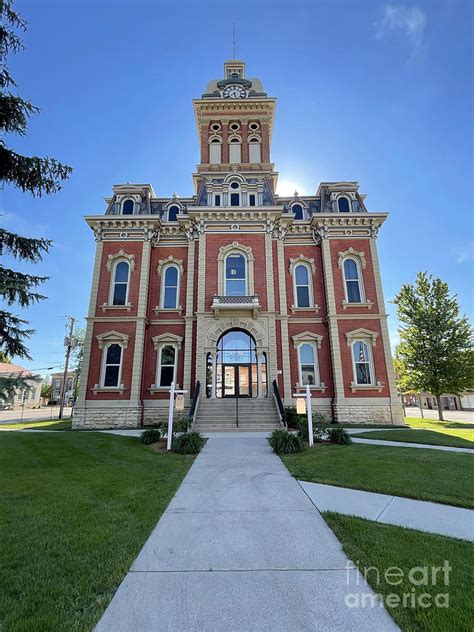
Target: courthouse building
236, 291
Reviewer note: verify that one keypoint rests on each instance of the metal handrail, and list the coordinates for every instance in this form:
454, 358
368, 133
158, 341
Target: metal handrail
194, 402
279, 403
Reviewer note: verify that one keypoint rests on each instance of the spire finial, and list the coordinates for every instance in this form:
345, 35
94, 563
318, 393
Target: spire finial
233, 39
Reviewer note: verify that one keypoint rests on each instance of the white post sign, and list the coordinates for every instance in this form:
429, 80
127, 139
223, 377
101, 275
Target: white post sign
179, 406
309, 413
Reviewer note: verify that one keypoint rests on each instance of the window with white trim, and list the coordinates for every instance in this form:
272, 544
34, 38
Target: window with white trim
343, 205
215, 149
307, 365
166, 365
128, 207
170, 287
235, 150
112, 367
235, 275
353, 281
363, 363
120, 285
255, 154
302, 285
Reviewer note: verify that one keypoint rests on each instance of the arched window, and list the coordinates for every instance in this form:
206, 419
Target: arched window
255, 154
308, 370
352, 281
297, 210
362, 358
173, 213
343, 205
235, 153
120, 283
112, 367
166, 365
234, 193
235, 275
127, 207
302, 281
215, 149
170, 287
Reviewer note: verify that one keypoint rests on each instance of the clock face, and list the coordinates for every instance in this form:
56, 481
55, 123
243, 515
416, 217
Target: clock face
234, 92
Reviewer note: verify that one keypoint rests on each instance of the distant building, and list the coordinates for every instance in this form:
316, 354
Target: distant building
57, 384
448, 401
29, 397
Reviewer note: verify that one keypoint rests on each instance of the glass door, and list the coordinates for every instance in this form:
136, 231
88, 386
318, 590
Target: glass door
228, 381
243, 381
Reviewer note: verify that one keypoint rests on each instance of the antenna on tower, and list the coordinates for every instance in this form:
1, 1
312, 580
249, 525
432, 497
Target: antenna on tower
233, 39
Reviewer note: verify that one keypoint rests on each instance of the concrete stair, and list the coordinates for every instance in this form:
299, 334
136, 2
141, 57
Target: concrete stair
219, 415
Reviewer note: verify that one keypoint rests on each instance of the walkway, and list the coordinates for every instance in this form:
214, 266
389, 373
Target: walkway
405, 444
454, 522
241, 547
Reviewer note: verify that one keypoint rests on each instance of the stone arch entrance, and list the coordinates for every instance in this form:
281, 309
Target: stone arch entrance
237, 368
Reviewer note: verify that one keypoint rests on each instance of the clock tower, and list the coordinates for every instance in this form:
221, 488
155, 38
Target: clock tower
234, 120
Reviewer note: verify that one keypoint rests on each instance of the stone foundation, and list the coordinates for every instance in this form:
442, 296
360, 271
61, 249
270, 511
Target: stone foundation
369, 414
119, 417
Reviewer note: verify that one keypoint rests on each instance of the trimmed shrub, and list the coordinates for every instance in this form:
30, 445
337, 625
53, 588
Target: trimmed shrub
320, 427
339, 436
292, 417
181, 425
188, 443
152, 435
283, 442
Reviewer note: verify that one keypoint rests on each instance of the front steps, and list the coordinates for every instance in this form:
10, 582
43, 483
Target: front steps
219, 415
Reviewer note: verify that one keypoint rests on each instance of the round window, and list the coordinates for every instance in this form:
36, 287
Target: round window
253, 126
215, 127
234, 185
234, 126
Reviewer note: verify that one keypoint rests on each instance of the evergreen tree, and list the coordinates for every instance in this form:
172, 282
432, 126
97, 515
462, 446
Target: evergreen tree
34, 175
435, 351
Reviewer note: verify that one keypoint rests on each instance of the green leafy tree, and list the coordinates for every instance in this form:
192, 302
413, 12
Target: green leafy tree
434, 354
37, 176
4, 358
77, 356
46, 389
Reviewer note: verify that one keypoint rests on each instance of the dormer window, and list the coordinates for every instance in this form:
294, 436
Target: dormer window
343, 205
127, 207
217, 199
234, 195
173, 213
297, 211
252, 199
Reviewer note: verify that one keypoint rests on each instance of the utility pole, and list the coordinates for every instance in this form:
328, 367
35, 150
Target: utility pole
69, 347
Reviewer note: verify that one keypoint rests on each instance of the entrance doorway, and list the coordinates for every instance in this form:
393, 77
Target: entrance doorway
238, 370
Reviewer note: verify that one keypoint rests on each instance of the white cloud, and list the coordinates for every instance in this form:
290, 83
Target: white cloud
464, 253
410, 21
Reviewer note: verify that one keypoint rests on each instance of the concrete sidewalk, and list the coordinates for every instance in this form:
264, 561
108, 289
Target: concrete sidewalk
405, 444
454, 522
241, 548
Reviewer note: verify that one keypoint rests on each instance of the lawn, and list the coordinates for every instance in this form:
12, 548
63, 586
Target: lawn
54, 424
436, 424
423, 474
452, 438
76, 509
379, 547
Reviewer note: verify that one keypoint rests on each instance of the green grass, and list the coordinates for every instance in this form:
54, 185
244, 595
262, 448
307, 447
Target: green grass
451, 438
372, 545
436, 424
423, 474
76, 509
54, 424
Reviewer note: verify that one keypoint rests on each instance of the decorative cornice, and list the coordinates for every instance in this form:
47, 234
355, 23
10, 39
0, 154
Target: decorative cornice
361, 334
164, 262
307, 336
351, 252
224, 250
112, 337
121, 254
302, 259
167, 338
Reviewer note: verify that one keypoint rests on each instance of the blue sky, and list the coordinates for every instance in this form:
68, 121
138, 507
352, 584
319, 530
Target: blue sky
368, 91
